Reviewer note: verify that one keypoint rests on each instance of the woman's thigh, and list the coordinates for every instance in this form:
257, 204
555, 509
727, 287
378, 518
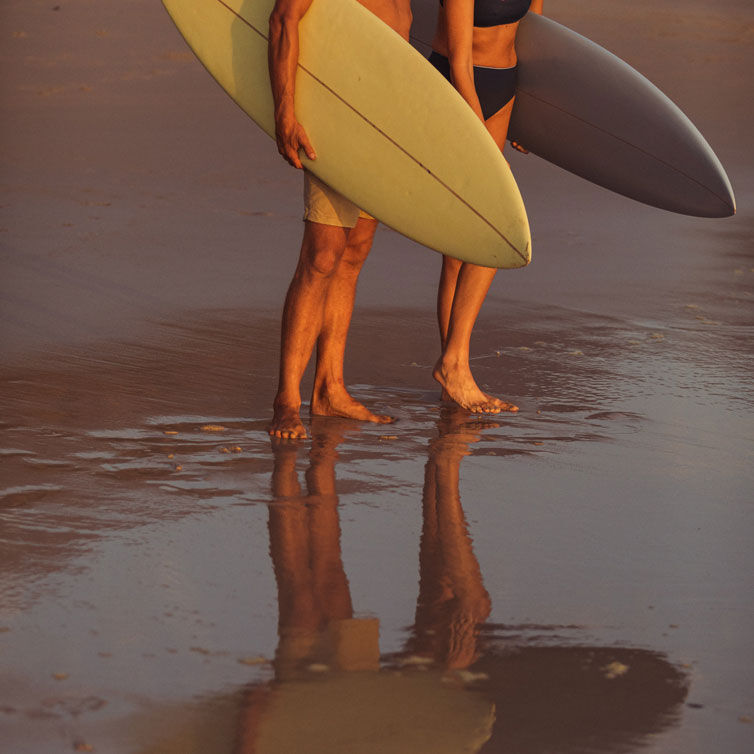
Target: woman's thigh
497, 124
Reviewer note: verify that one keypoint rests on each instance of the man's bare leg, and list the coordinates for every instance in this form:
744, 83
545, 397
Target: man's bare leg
322, 249
330, 397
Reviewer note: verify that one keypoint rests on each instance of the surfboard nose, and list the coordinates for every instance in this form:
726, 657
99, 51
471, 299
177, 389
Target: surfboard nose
724, 207
718, 199
527, 253
700, 186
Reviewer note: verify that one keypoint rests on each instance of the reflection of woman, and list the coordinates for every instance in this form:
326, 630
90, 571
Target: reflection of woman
474, 48
452, 599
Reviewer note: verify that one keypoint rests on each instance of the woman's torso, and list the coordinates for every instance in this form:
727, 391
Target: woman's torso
495, 25
395, 13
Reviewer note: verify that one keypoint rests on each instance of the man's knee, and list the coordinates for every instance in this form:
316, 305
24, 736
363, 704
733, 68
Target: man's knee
323, 248
359, 243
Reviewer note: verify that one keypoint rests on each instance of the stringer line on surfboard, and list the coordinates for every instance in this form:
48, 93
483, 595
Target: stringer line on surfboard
385, 135
622, 140
604, 131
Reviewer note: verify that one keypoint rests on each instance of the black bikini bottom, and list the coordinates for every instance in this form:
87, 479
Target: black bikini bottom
495, 87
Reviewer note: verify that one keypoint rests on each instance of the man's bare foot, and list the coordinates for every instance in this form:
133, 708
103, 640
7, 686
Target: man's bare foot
286, 424
328, 400
459, 386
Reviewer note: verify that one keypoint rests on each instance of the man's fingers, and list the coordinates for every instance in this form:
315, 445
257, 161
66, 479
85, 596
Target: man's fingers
306, 145
292, 156
289, 153
291, 139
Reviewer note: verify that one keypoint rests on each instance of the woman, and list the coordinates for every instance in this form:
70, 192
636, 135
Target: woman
474, 49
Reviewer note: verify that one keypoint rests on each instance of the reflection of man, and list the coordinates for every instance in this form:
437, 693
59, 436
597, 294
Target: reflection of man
316, 621
337, 239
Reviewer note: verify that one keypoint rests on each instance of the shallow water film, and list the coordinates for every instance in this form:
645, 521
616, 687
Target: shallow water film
571, 578
575, 578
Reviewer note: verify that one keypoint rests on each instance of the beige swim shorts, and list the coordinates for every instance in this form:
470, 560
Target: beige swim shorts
326, 206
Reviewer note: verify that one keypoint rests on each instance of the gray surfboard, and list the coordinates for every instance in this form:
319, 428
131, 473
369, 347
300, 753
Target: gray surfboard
587, 111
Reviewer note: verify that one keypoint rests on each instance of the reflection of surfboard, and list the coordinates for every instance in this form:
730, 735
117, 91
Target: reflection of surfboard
380, 712
582, 108
370, 104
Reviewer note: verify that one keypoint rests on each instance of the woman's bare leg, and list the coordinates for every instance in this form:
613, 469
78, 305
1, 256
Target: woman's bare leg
463, 287
445, 294
452, 370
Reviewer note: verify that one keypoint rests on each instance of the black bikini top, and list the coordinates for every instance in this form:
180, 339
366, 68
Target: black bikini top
498, 12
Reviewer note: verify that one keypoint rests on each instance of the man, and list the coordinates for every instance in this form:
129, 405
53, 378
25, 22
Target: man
337, 240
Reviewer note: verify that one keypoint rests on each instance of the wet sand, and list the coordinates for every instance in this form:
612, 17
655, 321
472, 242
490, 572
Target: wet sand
575, 578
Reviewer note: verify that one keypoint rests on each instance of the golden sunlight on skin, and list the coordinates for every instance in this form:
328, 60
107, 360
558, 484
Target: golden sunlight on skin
320, 298
463, 286
318, 310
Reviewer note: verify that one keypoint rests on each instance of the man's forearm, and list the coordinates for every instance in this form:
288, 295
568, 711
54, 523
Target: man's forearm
282, 53
282, 58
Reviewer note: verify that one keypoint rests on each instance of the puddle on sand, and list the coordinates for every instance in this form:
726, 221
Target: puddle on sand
456, 682
175, 579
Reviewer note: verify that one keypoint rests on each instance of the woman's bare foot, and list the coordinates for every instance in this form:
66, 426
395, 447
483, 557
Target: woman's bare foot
459, 386
329, 400
504, 405
286, 423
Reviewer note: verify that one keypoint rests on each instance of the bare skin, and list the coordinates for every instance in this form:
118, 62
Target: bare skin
318, 310
463, 286
320, 299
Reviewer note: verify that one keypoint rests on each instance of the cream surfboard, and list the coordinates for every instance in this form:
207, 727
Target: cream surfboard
585, 110
384, 123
